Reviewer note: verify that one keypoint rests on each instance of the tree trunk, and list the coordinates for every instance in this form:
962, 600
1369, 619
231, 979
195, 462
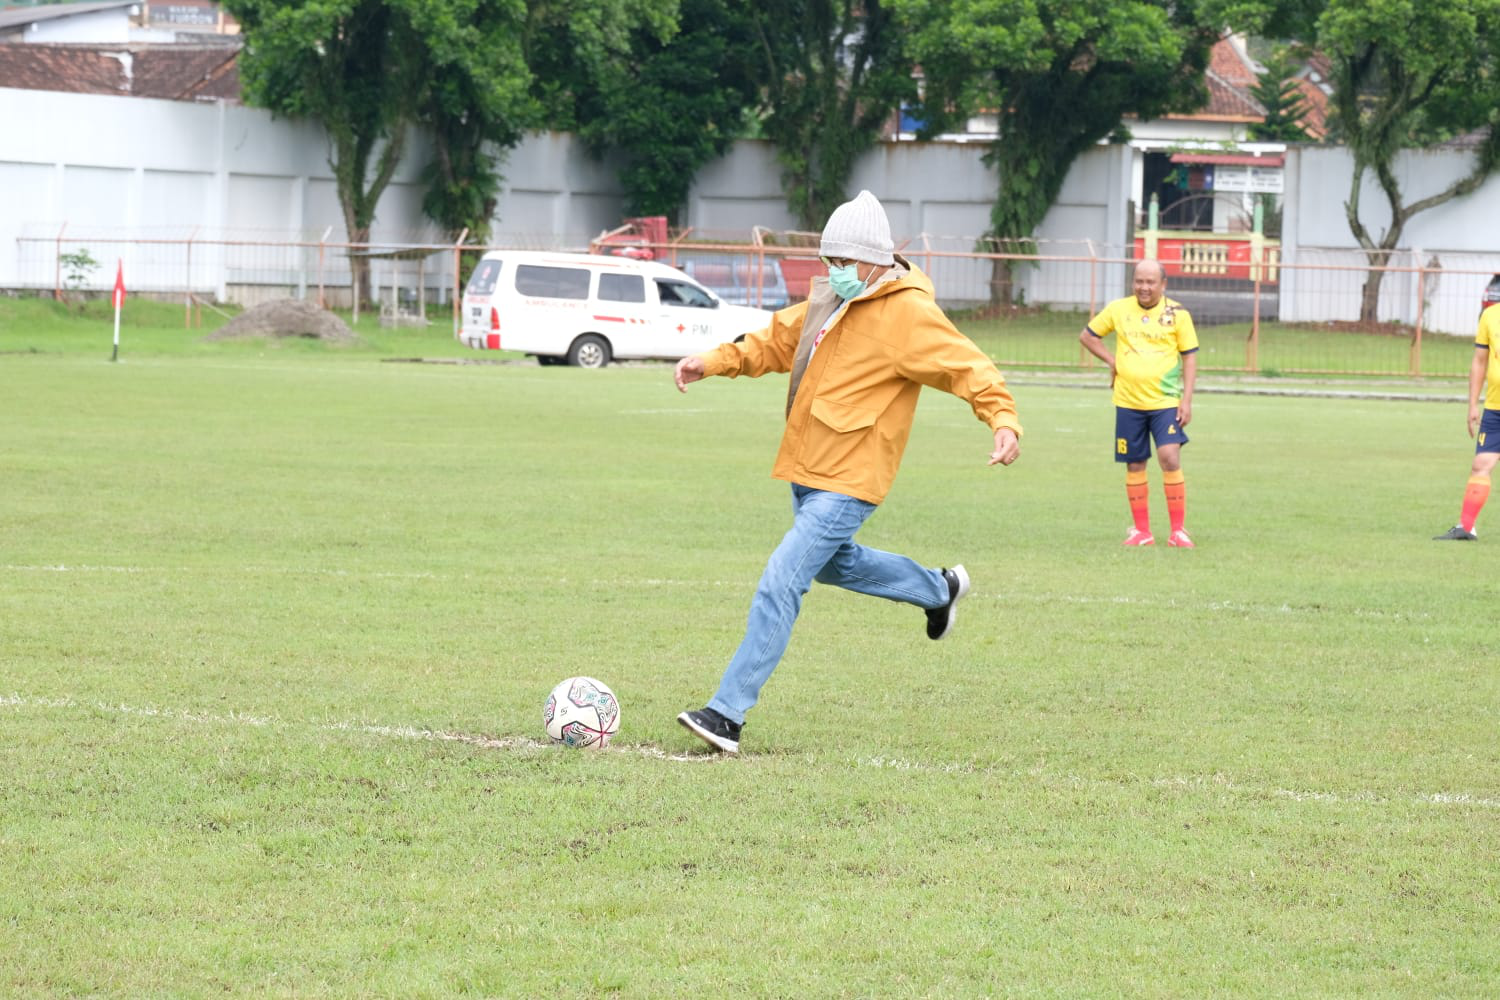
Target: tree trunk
1002, 283
1369, 303
359, 266
359, 198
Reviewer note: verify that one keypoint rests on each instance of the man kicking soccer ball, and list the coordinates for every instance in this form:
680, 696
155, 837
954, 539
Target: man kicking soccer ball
859, 351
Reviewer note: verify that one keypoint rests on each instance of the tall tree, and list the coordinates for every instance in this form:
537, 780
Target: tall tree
1408, 75
1286, 108
1060, 75
835, 71
476, 73
675, 105
355, 66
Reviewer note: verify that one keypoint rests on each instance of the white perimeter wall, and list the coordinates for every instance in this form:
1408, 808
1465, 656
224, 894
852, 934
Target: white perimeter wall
131, 168
1459, 239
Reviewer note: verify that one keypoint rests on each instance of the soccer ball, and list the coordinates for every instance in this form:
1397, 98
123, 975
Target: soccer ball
582, 712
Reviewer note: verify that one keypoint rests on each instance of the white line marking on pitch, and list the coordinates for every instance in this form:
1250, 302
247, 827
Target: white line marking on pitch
394, 732
525, 743
1436, 798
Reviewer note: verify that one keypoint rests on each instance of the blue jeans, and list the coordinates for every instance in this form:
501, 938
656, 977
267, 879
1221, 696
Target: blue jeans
819, 547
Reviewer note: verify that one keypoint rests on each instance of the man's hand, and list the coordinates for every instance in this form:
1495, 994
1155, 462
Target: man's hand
1007, 447
1475, 411
689, 369
1184, 413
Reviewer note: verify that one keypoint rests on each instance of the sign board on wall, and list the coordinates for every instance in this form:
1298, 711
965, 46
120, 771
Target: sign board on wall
201, 14
1257, 180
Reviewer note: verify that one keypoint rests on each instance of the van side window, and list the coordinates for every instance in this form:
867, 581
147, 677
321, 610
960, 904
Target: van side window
482, 281
622, 288
680, 293
552, 282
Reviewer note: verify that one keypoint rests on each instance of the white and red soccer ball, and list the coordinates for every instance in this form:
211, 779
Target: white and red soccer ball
582, 712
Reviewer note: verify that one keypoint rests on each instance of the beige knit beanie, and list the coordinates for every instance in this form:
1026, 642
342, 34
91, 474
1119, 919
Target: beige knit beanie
859, 230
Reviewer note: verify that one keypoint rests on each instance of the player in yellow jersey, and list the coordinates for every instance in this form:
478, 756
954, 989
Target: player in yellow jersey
1484, 426
1152, 370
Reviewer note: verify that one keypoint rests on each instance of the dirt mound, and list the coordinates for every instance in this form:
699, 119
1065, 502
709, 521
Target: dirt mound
286, 318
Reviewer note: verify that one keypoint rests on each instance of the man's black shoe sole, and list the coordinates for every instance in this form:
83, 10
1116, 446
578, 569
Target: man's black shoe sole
720, 743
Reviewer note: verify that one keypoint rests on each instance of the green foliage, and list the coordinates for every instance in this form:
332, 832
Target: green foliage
357, 66
674, 105
77, 265
1059, 75
476, 101
515, 67
572, 43
835, 73
476, 73
1286, 109
354, 65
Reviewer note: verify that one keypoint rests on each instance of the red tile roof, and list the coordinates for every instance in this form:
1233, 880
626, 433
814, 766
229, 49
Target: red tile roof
177, 72
1229, 101
1226, 60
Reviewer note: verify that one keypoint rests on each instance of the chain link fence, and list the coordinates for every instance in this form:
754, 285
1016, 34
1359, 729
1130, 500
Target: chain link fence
1322, 311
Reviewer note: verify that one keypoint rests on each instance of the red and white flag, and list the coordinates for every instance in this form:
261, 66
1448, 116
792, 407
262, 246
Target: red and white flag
119, 298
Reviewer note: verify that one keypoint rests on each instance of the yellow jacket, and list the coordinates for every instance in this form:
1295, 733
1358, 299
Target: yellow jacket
848, 423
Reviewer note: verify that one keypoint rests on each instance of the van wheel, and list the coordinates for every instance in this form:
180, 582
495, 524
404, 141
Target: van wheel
589, 351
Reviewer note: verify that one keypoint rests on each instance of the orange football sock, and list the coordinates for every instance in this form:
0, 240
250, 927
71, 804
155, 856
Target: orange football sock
1475, 494
1140, 504
1176, 491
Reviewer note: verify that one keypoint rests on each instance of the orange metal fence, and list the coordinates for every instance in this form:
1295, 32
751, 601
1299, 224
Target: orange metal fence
1311, 314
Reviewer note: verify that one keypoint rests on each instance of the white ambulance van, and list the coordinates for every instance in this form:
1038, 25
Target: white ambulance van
586, 309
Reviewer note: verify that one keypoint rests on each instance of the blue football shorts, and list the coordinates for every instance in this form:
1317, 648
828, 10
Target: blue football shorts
1135, 430
1488, 438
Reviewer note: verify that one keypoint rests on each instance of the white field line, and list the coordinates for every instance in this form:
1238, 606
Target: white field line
406, 733
1217, 782
526, 744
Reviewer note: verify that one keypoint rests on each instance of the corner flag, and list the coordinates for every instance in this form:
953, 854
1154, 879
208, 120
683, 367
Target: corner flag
119, 300
119, 284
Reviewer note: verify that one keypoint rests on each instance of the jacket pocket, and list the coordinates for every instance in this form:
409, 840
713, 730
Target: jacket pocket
839, 445
843, 417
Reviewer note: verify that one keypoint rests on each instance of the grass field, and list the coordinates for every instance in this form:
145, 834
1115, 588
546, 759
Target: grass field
277, 623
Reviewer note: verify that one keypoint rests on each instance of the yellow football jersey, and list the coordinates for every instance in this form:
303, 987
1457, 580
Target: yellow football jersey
1149, 345
1489, 336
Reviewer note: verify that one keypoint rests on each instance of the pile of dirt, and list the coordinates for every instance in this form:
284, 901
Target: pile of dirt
286, 318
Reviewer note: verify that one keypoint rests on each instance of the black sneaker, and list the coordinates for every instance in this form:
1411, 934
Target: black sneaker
1456, 534
713, 729
940, 620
